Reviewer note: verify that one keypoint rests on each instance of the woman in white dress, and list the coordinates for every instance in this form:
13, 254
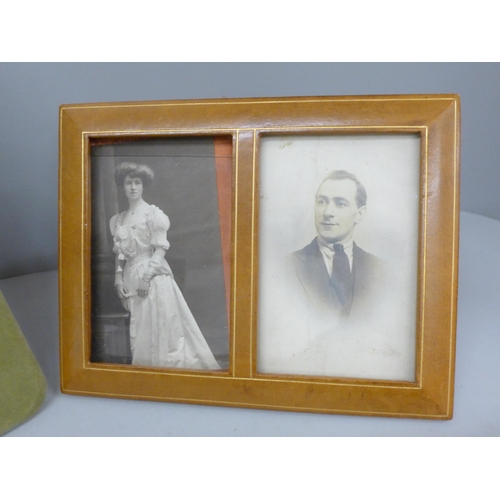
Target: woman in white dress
163, 331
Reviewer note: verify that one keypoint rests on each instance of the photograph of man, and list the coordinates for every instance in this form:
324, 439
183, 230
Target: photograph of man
338, 256
337, 277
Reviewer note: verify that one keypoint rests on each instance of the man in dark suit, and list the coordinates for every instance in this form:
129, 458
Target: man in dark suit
337, 278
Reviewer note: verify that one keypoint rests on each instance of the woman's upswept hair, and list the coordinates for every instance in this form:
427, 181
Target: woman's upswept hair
133, 170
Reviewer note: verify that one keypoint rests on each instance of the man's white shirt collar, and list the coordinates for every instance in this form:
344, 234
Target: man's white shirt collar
327, 252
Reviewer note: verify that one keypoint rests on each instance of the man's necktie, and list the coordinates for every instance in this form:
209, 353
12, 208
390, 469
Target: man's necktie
341, 274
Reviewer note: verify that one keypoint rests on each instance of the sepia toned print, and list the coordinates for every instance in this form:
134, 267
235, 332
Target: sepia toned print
343, 304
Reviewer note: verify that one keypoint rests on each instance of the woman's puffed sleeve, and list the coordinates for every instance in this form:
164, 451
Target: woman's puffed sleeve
159, 224
113, 227
112, 224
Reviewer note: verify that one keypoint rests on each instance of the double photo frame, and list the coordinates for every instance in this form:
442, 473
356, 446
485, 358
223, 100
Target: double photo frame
283, 253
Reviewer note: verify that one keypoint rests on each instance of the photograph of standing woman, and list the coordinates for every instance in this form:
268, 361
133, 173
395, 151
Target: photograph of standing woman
158, 292
163, 332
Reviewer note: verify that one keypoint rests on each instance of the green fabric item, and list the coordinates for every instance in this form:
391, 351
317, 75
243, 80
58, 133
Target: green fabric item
22, 383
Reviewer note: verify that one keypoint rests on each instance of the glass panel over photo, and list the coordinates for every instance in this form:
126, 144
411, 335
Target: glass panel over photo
338, 255
161, 252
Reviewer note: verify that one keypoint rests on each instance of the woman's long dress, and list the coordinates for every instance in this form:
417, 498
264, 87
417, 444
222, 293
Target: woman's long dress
163, 331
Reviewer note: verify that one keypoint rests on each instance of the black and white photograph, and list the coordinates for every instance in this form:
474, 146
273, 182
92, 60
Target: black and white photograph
159, 267
338, 250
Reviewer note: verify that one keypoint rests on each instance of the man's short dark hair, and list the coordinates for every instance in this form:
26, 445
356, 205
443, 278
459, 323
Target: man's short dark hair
133, 170
340, 175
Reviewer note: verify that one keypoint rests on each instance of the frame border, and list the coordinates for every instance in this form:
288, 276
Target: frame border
435, 117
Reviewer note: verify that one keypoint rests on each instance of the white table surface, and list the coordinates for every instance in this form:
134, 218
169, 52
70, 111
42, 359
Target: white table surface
33, 300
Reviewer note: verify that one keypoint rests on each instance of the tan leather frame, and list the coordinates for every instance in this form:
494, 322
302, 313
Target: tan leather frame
434, 117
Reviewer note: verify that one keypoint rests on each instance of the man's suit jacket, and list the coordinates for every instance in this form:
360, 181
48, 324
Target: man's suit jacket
308, 266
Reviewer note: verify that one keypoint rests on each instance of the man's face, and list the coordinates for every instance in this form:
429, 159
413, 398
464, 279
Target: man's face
336, 213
